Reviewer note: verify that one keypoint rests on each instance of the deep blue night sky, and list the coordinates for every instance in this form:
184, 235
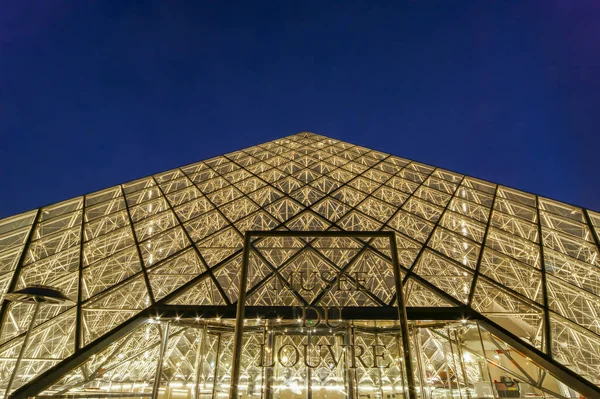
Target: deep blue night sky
96, 93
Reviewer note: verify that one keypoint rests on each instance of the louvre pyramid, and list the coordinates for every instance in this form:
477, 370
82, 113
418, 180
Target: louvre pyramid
176, 239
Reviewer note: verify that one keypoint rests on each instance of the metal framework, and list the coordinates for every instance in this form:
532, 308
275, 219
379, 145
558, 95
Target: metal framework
524, 267
368, 236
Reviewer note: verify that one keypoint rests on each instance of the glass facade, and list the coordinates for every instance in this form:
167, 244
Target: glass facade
500, 288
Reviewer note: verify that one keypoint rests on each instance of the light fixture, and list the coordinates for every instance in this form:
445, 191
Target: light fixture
35, 294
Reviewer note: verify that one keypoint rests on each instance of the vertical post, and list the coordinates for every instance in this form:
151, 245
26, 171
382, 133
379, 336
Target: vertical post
399, 343
454, 362
349, 371
380, 372
420, 366
12, 285
268, 370
159, 362
78, 321
410, 378
308, 369
23, 348
448, 371
216, 371
239, 320
547, 327
487, 366
462, 364
200, 360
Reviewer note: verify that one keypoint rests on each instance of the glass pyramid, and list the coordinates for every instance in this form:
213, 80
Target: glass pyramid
170, 245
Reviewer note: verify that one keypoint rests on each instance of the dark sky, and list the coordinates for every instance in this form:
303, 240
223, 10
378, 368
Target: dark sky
96, 93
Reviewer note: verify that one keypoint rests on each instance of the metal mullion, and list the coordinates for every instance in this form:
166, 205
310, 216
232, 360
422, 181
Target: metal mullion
587, 222
239, 320
410, 195
324, 258
513, 362
187, 234
275, 273
78, 316
289, 197
492, 210
483, 246
134, 180
154, 218
193, 186
439, 191
519, 220
188, 312
469, 201
543, 359
319, 233
469, 219
70, 219
18, 267
435, 225
193, 220
438, 291
92, 208
260, 208
147, 200
474, 189
518, 204
103, 223
560, 216
58, 233
565, 236
568, 237
240, 310
13, 233
510, 291
36, 328
159, 361
574, 326
112, 288
402, 318
547, 327
145, 348
127, 279
139, 251
352, 208
113, 254
399, 208
460, 236
52, 375
158, 186
93, 375
355, 235
218, 207
188, 285
322, 175
156, 265
449, 259
367, 292
284, 264
57, 216
326, 290
569, 285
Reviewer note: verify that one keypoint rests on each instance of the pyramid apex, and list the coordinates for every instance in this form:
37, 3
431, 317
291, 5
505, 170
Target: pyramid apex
307, 133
